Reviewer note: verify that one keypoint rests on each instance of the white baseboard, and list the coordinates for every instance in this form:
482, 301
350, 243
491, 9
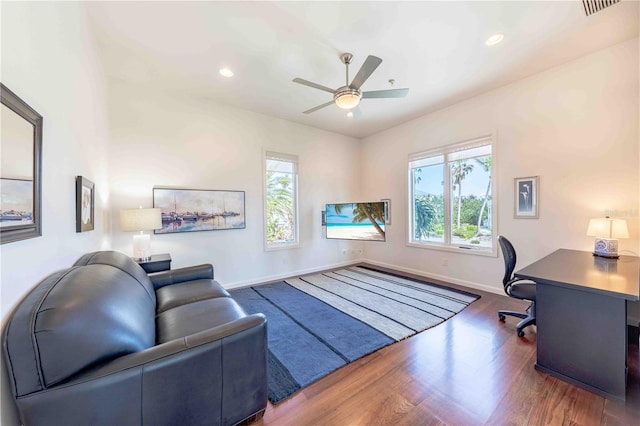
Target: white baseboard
289, 274
444, 278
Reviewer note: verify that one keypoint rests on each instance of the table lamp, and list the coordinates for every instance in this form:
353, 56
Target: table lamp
607, 231
141, 220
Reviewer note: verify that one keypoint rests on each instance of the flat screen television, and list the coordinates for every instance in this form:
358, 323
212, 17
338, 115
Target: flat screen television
356, 221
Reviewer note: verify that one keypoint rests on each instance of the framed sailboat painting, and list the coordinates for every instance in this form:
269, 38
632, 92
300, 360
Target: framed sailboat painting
190, 210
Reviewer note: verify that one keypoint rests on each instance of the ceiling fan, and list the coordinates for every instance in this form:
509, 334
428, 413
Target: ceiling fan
349, 95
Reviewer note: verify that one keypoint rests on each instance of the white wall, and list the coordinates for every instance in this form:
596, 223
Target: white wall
575, 126
48, 60
165, 140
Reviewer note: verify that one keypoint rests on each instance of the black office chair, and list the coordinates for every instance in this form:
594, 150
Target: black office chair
517, 288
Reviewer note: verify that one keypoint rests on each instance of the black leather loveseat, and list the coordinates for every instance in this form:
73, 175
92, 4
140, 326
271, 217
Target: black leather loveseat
104, 343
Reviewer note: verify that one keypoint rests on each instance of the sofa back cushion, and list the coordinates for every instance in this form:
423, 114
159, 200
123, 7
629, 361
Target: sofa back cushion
74, 320
121, 261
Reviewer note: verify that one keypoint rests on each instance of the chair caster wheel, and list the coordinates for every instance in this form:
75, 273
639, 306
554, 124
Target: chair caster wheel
520, 333
501, 318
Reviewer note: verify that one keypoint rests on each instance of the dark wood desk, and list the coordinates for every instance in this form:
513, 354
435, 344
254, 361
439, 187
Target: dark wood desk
581, 317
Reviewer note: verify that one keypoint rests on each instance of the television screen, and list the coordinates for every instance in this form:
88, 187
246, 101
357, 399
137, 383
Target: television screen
356, 221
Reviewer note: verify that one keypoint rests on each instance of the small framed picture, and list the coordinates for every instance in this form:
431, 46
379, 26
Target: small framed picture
387, 210
85, 204
526, 197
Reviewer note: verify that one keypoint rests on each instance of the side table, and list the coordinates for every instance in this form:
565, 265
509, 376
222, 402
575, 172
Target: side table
157, 263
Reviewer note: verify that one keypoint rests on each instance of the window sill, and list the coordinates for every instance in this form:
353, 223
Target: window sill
488, 252
281, 246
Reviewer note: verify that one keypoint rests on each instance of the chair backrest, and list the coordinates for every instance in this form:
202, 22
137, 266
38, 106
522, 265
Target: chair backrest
509, 255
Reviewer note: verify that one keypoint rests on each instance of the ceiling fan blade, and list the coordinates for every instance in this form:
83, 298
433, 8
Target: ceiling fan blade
391, 93
309, 111
369, 66
314, 85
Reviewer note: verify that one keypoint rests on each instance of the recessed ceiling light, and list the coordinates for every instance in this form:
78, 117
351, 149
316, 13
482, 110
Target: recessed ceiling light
350, 114
226, 72
494, 39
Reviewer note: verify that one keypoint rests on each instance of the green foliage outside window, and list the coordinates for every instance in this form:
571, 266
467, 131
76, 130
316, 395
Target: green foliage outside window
468, 214
280, 208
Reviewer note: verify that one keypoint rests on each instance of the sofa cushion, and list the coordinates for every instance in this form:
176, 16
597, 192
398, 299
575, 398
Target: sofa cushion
171, 296
122, 262
194, 317
92, 314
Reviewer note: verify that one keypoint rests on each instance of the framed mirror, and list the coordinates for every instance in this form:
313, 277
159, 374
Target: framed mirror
20, 169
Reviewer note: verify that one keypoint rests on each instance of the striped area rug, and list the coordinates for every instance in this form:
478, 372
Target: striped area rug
318, 323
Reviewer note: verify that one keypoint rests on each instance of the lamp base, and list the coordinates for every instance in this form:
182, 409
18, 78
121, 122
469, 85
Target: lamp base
141, 247
606, 247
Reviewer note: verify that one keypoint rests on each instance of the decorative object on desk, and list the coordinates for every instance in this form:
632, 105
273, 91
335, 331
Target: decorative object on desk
526, 198
141, 220
387, 210
85, 204
21, 183
188, 210
607, 231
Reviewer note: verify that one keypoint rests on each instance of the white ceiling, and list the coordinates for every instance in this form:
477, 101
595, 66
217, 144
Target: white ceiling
435, 48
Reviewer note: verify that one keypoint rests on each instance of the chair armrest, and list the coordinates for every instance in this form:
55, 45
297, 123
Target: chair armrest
174, 276
514, 280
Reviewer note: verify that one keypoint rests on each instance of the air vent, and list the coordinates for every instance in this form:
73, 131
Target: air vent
593, 6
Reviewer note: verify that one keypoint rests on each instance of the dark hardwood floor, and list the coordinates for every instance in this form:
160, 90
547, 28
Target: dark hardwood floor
469, 370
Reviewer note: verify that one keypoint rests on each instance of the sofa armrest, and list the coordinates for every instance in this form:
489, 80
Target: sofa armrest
174, 276
219, 374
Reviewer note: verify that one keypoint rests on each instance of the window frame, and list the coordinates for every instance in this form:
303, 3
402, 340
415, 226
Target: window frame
281, 156
445, 151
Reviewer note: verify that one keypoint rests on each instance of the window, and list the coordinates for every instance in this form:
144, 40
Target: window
281, 200
451, 197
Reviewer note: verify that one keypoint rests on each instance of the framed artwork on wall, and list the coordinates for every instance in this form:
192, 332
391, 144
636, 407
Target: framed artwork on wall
526, 197
20, 167
85, 204
190, 210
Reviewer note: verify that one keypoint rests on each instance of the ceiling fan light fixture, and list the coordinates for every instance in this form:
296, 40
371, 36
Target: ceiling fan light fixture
494, 39
226, 72
347, 98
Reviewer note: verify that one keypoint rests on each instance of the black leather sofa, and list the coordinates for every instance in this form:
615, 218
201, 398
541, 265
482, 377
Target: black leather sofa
104, 343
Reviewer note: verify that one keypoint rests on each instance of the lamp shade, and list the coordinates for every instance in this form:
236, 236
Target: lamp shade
608, 228
140, 219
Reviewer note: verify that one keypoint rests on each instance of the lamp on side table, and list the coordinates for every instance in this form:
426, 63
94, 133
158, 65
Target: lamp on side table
141, 220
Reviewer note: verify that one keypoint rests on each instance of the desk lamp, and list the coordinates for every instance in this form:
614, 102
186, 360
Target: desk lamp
607, 231
141, 220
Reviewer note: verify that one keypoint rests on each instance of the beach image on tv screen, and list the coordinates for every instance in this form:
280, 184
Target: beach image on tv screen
356, 221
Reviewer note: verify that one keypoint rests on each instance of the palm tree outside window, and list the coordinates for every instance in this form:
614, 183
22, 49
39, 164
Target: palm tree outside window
451, 197
281, 200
